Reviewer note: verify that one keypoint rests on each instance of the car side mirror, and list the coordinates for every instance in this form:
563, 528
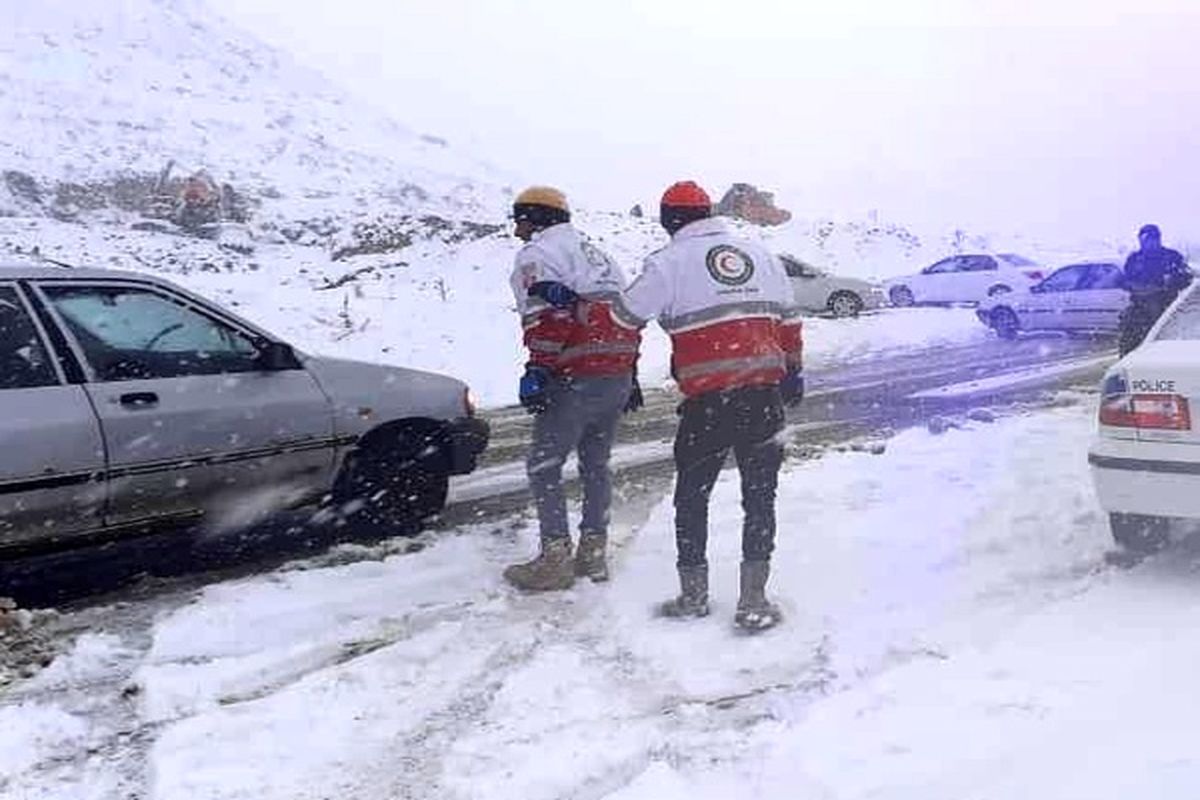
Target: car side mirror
277, 357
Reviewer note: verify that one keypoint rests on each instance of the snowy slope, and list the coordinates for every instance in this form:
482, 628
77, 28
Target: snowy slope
93, 89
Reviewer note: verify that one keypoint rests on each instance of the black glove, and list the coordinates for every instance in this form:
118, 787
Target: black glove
792, 387
534, 388
635, 400
556, 294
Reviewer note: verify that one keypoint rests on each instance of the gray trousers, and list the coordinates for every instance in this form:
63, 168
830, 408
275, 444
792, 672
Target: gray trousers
582, 416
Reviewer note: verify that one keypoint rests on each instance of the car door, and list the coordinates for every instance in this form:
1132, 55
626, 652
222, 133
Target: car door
936, 282
975, 276
1098, 301
193, 422
1047, 305
51, 452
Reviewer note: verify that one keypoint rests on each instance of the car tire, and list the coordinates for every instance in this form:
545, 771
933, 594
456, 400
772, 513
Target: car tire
998, 290
1140, 534
1005, 323
845, 304
393, 483
901, 296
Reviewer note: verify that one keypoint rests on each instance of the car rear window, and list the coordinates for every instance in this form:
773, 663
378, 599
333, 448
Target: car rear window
1184, 323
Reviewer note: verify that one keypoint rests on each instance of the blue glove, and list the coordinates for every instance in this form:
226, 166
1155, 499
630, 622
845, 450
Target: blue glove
534, 388
556, 294
792, 387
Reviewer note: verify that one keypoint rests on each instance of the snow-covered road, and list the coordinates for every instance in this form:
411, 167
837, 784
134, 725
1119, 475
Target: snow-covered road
952, 631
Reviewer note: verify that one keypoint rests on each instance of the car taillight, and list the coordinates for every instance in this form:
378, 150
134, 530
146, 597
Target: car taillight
1164, 412
469, 402
1034, 274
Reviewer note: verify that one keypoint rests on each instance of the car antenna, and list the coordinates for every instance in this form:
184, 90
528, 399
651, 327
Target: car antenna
54, 261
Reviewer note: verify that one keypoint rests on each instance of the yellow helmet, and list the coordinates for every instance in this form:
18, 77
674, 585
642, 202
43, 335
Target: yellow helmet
546, 196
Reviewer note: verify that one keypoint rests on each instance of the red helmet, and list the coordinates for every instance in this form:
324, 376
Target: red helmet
686, 194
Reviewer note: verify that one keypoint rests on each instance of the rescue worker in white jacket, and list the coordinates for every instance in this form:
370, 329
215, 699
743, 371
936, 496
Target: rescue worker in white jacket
578, 379
735, 331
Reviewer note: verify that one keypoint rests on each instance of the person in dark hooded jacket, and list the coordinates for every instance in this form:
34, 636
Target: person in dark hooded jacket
1154, 277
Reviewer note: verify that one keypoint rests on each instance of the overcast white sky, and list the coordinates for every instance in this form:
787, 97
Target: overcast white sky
1072, 116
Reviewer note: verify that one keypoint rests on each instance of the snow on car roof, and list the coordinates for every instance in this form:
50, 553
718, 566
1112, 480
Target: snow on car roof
17, 271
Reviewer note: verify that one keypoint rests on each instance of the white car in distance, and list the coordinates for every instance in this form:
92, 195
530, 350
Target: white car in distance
1079, 298
964, 278
1145, 457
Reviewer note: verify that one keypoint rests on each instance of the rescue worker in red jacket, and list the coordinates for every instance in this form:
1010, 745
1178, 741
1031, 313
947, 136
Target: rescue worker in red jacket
578, 380
736, 342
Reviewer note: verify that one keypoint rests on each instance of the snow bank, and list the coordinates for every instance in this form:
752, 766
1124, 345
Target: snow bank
34, 732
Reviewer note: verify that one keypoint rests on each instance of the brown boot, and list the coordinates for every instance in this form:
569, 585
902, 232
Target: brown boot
693, 595
590, 557
551, 571
754, 612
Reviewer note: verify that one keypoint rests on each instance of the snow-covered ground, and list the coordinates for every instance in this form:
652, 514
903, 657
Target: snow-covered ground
952, 631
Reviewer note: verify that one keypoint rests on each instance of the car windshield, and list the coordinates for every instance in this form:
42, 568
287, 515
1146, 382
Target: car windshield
1016, 260
1185, 322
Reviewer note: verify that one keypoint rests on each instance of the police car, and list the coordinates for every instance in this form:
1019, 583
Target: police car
1145, 458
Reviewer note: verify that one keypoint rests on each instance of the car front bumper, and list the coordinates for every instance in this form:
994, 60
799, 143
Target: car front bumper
467, 439
1150, 478
874, 300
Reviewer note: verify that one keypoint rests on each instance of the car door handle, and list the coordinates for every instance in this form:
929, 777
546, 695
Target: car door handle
139, 399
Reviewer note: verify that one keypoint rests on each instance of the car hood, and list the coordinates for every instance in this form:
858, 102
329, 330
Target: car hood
857, 285
365, 394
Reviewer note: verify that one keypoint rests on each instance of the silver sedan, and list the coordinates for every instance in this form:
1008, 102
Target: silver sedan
127, 403
819, 292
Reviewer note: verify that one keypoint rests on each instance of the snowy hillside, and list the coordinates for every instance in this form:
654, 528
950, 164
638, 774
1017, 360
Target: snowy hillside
94, 89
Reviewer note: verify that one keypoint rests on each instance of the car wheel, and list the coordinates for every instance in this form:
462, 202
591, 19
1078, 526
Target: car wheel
845, 304
1004, 321
394, 482
998, 290
901, 296
1139, 533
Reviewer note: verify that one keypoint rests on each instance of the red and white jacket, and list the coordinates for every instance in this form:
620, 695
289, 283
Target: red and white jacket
585, 340
727, 304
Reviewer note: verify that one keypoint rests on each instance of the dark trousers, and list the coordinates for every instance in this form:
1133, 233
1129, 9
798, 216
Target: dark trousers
1139, 317
746, 421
